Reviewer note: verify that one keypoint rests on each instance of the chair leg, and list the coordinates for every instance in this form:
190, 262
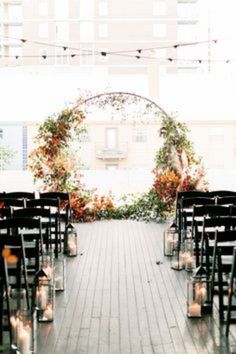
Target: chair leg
213, 273
196, 249
229, 310
230, 296
221, 292
25, 279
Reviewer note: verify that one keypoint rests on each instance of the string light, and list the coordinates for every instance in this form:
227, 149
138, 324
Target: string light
125, 53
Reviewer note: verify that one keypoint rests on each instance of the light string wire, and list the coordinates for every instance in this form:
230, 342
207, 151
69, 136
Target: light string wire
121, 53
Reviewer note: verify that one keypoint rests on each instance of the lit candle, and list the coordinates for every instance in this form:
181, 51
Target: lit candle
72, 248
24, 342
48, 314
183, 256
169, 245
194, 309
42, 297
201, 292
177, 265
189, 264
59, 282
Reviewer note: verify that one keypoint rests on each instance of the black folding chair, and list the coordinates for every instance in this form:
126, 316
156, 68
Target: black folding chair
19, 195
64, 198
31, 230
44, 215
182, 195
226, 241
16, 246
54, 206
221, 193
226, 200
12, 202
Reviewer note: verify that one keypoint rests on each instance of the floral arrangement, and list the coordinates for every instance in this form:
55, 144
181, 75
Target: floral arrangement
55, 163
177, 167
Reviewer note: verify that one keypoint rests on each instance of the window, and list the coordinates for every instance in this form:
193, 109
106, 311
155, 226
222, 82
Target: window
43, 8
111, 138
159, 30
103, 8
87, 59
87, 31
86, 9
61, 9
159, 8
103, 30
62, 31
187, 32
61, 57
43, 30
15, 32
140, 135
15, 12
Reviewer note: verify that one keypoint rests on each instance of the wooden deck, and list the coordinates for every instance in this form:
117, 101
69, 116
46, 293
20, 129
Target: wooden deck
119, 300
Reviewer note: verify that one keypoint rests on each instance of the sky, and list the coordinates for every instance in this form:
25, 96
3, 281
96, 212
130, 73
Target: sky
33, 93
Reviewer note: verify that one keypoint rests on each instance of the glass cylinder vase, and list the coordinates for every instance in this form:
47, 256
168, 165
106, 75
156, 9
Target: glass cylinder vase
60, 273
44, 298
170, 238
199, 294
47, 264
23, 323
188, 255
70, 245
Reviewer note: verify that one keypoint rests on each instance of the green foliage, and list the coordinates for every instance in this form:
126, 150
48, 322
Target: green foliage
6, 155
175, 135
142, 207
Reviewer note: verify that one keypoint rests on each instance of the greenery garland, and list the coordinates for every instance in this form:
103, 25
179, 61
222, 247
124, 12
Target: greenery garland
55, 163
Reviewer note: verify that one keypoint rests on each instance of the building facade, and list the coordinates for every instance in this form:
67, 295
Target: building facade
100, 26
111, 145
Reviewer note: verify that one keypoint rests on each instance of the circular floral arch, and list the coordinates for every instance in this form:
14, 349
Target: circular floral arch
56, 165
118, 100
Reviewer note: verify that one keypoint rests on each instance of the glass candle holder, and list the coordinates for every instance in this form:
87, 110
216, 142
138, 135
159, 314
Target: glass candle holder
47, 264
170, 241
24, 331
199, 294
44, 298
60, 273
70, 241
18, 300
188, 255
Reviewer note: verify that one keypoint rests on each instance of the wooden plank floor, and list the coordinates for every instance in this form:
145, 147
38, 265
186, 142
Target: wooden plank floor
118, 300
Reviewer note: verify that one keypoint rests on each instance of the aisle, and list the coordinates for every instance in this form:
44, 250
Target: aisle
119, 299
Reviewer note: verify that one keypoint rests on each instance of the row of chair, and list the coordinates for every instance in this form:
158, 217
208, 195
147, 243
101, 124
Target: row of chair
210, 217
29, 227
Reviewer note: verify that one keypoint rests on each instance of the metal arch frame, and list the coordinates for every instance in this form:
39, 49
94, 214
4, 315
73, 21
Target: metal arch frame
124, 93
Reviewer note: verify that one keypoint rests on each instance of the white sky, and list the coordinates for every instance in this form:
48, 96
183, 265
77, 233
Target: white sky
29, 94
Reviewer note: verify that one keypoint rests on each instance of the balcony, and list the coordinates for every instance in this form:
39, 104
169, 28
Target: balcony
106, 153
